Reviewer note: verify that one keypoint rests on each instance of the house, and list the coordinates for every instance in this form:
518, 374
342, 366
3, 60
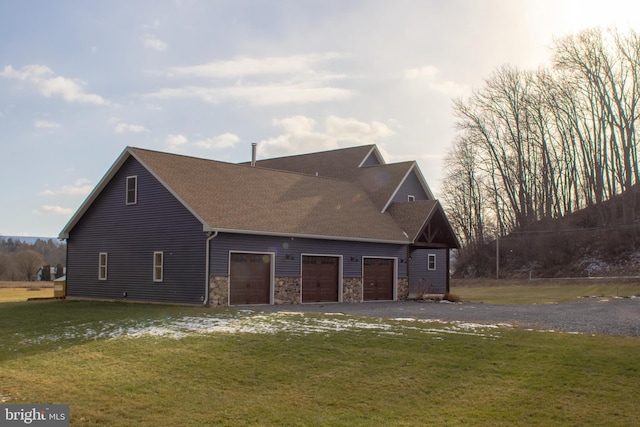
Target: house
333, 226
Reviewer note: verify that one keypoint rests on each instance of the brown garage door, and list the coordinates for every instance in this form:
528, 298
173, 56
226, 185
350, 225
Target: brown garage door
320, 278
250, 279
378, 279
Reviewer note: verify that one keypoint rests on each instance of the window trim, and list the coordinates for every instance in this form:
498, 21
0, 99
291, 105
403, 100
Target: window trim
103, 268
158, 268
431, 262
128, 190
411, 198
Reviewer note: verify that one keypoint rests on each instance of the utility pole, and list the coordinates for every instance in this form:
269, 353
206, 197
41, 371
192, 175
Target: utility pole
498, 255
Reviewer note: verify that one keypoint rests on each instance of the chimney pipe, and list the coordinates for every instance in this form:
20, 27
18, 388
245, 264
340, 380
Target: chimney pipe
253, 153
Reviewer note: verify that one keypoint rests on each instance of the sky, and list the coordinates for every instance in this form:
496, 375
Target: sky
80, 81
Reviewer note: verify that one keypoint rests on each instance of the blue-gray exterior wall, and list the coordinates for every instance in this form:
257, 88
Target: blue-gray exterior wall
130, 234
423, 280
410, 186
288, 252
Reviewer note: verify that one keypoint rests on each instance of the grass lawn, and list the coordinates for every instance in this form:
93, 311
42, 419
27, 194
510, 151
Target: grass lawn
152, 365
541, 291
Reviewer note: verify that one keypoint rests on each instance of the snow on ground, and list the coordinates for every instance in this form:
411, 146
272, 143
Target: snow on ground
252, 322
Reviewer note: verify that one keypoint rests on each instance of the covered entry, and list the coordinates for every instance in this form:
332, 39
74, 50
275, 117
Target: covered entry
250, 278
378, 279
320, 278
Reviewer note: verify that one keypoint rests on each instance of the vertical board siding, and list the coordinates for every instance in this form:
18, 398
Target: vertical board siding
412, 186
130, 234
288, 252
423, 280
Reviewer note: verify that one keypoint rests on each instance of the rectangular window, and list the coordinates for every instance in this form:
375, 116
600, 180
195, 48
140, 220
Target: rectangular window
411, 198
431, 262
132, 190
102, 266
158, 261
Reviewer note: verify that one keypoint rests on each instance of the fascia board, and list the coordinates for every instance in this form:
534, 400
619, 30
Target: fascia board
309, 236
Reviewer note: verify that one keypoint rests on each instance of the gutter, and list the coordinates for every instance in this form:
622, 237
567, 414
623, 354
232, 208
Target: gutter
212, 235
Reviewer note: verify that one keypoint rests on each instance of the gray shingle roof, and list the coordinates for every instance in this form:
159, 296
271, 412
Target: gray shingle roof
242, 198
284, 197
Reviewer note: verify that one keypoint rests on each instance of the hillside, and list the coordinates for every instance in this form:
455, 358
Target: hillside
600, 240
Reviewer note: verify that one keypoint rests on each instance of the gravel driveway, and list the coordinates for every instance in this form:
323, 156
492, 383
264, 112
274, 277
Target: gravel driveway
611, 317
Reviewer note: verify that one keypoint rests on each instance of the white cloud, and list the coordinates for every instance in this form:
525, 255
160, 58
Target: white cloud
152, 42
121, 127
242, 66
226, 140
41, 77
54, 210
260, 95
44, 124
296, 79
175, 141
300, 135
81, 187
429, 76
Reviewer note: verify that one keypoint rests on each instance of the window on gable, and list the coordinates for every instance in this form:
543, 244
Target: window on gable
132, 190
431, 262
158, 266
102, 266
411, 198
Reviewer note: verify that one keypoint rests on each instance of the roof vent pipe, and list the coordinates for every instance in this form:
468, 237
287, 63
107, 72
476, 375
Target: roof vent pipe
253, 153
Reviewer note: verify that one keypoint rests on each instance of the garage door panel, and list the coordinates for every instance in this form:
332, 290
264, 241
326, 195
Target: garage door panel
250, 279
378, 279
320, 278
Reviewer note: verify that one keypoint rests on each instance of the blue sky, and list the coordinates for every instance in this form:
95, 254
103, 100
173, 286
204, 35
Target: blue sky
80, 81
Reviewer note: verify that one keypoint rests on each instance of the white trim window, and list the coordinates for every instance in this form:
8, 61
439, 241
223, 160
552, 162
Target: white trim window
431, 262
132, 190
158, 266
411, 198
102, 265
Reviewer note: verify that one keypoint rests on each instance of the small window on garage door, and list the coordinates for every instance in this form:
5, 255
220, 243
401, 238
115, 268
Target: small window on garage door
250, 278
378, 279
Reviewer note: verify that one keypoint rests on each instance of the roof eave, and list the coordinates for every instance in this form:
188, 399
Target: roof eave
309, 236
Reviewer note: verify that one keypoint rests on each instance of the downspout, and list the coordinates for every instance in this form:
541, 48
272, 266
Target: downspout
212, 235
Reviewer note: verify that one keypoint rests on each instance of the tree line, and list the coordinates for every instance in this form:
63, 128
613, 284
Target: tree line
30, 261
536, 145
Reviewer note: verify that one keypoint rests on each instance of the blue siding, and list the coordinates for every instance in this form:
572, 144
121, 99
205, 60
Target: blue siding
421, 279
372, 160
295, 247
411, 186
130, 234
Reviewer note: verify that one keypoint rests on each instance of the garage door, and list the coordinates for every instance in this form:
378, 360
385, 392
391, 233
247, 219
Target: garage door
378, 279
250, 279
320, 278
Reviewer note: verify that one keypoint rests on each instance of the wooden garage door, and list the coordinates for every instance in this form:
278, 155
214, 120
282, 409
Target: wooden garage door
378, 279
250, 279
320, 278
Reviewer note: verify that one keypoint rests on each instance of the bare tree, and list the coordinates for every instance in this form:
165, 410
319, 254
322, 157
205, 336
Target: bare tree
28, 263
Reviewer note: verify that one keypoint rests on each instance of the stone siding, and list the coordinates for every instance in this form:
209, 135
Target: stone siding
287, 290
218, 291
352, 289
402, 292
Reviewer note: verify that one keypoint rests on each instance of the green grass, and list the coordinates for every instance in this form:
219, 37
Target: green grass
540, 292
391, 373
